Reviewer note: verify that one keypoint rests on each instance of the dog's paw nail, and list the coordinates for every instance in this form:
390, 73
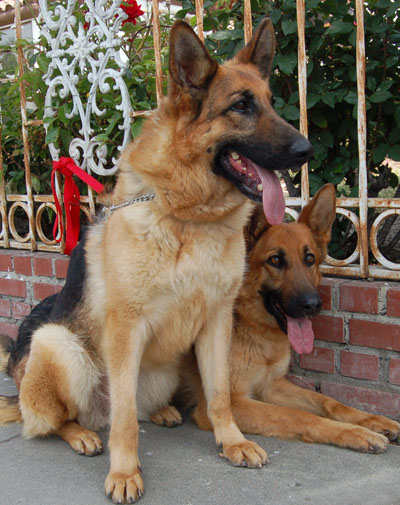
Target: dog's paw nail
391, 436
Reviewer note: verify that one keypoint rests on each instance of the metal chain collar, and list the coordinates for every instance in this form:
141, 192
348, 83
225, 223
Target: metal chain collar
144, 198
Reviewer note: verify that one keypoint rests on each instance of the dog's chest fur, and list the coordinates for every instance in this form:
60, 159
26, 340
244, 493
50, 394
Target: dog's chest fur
256, 360
200, 281
173, 277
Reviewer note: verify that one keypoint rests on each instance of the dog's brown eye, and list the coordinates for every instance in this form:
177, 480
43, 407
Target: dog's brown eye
309, 259
240, 106
275, 261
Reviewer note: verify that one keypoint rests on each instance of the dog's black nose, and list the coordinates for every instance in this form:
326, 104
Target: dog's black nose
310, 303
302, 150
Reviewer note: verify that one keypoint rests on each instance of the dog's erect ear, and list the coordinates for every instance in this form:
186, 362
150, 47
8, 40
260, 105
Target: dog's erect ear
256, 226
190, 66
261, 49
320, 214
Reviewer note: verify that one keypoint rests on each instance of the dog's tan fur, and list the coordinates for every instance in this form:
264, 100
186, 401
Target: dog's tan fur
161, 275
263, 400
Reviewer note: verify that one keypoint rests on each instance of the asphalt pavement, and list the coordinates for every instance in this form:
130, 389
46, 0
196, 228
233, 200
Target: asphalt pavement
181, 467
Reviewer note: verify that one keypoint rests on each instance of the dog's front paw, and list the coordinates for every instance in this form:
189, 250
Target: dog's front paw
122, 488
247, 454
363, 440
381, 424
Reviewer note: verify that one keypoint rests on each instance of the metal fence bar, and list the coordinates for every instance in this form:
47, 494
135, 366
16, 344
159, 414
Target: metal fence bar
3, 205
199, 19
248, 24
29, 208
362, 139
302, 77
157, 50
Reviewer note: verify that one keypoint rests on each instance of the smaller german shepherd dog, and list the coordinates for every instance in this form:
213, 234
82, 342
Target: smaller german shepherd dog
159, 276
272, 309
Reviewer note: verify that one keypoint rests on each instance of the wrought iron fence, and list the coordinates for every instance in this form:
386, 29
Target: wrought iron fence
89, 154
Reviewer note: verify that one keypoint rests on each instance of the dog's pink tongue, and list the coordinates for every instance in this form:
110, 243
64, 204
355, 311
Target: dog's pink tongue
273, 199
300, 334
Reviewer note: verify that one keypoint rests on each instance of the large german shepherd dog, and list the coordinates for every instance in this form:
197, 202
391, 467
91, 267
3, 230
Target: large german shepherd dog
271, 316
156, 277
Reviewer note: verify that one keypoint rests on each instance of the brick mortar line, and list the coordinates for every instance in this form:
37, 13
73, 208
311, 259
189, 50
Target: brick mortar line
360, 349
335, 297
384, 362
384, 357
319, 377
30, 278
10, 320
382, 299
346, 315
328, 280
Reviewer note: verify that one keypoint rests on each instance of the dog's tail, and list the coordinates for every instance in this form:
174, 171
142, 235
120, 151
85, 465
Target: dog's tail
5, 343
9, 405
9, 410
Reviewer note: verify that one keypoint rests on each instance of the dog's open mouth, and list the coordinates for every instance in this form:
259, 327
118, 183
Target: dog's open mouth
298, 329
258, 183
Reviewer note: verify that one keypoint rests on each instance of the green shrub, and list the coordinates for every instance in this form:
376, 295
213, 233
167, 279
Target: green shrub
331, 101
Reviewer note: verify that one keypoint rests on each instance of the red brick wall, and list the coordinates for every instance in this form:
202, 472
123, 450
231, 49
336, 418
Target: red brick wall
25, 279
356, 357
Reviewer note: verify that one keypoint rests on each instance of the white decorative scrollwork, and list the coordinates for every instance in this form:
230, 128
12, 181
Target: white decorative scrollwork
292, 213
87, 50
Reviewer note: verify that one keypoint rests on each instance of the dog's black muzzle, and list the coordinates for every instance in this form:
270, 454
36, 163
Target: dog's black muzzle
301, 305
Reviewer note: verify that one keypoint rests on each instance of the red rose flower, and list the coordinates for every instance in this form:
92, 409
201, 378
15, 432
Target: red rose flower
133, 10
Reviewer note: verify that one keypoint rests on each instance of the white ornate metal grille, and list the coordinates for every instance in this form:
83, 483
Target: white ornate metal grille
93, 52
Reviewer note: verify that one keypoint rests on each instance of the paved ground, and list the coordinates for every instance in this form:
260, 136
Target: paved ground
181, 467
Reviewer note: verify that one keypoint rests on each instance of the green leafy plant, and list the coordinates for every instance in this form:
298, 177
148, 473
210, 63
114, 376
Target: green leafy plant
331, 91
11, 122
331, 101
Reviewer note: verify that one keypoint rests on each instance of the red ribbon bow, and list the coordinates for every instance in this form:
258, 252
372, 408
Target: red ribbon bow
68, 168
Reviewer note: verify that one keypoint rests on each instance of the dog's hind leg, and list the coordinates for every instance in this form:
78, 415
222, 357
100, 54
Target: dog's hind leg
167, 416
57, 388
261, 418
282, 392
154, 392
